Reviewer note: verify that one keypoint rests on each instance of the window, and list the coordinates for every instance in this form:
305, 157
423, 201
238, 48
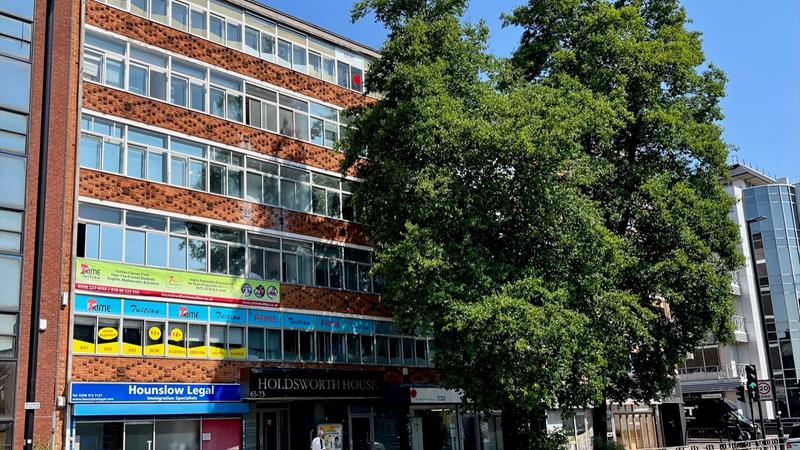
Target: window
353, 349
13, 132
306, 346
382, 349
197, 341
343, 74
338, 347
273, 347
154, 338
367, 350
291, 346
408, 352
108, 335
198, 20
8, 378
180, 16
15, 37
395, 351
176, 343
132, 337
284, 53
216, 341
255, 343
10, 231
15, 95
83, 335
421, 352
183, 434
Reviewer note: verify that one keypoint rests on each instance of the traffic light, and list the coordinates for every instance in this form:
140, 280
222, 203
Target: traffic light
752, 380
741, 394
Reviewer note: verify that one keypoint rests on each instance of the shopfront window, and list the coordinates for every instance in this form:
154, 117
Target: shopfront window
178, 434
99, 435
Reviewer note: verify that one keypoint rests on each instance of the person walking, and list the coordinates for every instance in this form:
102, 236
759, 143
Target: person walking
318, 443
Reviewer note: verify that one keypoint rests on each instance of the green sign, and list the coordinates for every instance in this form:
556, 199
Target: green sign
126, 279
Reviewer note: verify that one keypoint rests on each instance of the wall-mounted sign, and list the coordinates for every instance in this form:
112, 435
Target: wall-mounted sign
153, 392
126, 279
434, 395
279, 383
97, 305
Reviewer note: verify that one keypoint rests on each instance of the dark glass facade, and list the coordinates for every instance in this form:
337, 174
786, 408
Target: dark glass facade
777, 259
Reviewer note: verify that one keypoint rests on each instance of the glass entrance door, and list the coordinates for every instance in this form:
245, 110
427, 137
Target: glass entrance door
139, 436
274, 433
361, 433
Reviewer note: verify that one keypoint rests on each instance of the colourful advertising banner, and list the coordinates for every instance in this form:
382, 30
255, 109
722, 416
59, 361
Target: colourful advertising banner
125, 279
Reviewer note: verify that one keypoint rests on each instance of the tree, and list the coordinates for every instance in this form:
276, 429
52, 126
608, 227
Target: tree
509, 222
659, 185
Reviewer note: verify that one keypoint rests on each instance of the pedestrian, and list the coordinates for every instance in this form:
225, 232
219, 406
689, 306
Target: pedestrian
318, 442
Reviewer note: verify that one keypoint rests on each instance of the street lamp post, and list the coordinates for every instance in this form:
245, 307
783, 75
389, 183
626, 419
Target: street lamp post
749, 223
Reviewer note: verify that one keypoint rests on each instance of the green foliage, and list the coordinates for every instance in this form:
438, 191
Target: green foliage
535, 215
600, 444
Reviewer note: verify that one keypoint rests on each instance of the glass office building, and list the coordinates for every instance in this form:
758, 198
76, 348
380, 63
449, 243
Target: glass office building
777, 259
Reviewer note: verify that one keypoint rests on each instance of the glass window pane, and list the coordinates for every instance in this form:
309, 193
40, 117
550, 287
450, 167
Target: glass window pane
22, 9
255, 343
382, 349
10, 273
112, 156
301, 126
158, 85
254, 187
137, 82
156, 167
115, 73
139, 7
318, 199
338, 347
236, 260
159, 11
91, 240
99, 213
12, 142
132, 337
197, 255
270, 191
273, 266
317, 129
217, 101
217, 177
8, 376
111, 243
408, 352
334, 209
254, 113
178, 91
270, 117
286, 118
284, 53
198, 22
357, 79
267, 46
198, 96
331, 134
234, 35
335, 274
136, 162
216, 27
235, 183
421, 351
90, 152
251, 38
156, 250
15, 95
299, 58
197, 175
178, 172
367, 350
329, 70
134, 247
256, 264
197, 343
395, 351
343, 74
291, 350
177, 253
146, 137
219, 258
235, 111
273, 350
353, 349
180, 16
314, 64
306, 346
146, 221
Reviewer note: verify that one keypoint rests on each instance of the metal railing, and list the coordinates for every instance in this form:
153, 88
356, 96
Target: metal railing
760, 444
719, 372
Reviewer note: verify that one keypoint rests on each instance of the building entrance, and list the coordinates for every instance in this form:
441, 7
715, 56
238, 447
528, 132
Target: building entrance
273, 429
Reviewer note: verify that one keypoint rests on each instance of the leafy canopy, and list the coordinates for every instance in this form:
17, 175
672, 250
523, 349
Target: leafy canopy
535, 215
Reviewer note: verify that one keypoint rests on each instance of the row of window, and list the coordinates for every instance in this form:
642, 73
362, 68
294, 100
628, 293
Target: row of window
144, 72
229, 25
16, 36
140, 153
107, 335
153, 240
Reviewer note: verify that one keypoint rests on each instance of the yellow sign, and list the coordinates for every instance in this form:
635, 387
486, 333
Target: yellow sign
112, 348
216, 352
155, 333
79, 346
107, 333
198, 352
237, 353
176, 335
156, 349
175, 350
131, 349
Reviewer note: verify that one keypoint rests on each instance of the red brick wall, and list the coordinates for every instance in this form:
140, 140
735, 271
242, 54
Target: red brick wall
52, 354
193, 47
159, 114
333, 300
110, 369
131, 191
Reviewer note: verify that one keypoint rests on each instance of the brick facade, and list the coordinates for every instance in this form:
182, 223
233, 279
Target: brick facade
131, 191
163, 115
111, 369
193, 47
52, 355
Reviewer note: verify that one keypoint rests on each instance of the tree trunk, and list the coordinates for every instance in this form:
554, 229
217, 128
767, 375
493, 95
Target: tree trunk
600, 421
511, 428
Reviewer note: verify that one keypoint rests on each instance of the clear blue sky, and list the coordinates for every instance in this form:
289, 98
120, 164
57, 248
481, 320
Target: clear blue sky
756, 44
